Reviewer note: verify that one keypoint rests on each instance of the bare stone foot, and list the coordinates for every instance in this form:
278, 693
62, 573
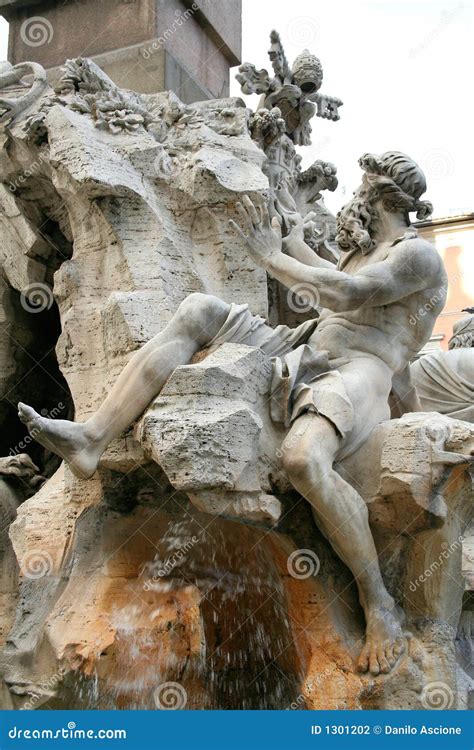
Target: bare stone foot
384, 640
67, 439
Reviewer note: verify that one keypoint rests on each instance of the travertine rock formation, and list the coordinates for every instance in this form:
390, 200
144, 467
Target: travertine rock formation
186, 570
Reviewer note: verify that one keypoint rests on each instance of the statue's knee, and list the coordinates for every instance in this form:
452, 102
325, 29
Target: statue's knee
201, 316
304, 465
194, 304
297, 464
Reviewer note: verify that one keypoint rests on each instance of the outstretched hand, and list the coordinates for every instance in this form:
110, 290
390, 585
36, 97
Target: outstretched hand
263, 237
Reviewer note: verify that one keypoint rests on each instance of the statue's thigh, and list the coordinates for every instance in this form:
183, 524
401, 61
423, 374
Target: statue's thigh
312, 438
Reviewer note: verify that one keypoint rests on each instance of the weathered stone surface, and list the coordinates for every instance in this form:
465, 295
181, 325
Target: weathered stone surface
122, 572
205, 431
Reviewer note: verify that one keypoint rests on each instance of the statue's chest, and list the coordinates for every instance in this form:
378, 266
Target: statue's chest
359, 261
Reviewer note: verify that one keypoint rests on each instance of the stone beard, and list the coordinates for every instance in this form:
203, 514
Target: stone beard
233, 412
356, 221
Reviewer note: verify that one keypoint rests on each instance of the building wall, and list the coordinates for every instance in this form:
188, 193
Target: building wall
145, 45
454, 240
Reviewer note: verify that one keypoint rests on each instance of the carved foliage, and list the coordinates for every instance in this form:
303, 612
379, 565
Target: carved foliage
94, 94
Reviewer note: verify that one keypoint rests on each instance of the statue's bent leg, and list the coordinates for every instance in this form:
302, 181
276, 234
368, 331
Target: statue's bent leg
195, 323
341, 514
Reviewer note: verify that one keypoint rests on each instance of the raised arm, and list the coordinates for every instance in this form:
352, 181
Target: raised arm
295, 246
415, 265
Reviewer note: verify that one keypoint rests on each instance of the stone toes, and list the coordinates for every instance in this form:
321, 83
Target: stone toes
380, 657
22, 412
384, 664
389, 653
374, 662
26, 413
399, 647
363, 661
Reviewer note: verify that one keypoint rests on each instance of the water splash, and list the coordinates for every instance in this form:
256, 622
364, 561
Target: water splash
206, 625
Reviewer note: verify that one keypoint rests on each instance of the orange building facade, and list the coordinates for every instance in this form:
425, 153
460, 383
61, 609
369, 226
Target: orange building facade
453, 237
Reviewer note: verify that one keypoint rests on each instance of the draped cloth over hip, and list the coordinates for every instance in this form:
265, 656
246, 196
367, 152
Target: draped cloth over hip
302, 378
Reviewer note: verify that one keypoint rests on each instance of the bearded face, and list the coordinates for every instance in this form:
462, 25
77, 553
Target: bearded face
356, 221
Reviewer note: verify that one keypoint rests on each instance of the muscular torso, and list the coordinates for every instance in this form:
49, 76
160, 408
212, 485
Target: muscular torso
393, 333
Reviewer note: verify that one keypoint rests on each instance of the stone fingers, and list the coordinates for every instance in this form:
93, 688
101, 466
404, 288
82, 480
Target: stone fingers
254, 217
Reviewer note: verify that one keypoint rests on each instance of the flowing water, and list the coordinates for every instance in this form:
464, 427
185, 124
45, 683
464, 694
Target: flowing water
206, 627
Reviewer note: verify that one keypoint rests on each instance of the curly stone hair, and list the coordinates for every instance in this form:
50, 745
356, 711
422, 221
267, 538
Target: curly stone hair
393, 178
463, 333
